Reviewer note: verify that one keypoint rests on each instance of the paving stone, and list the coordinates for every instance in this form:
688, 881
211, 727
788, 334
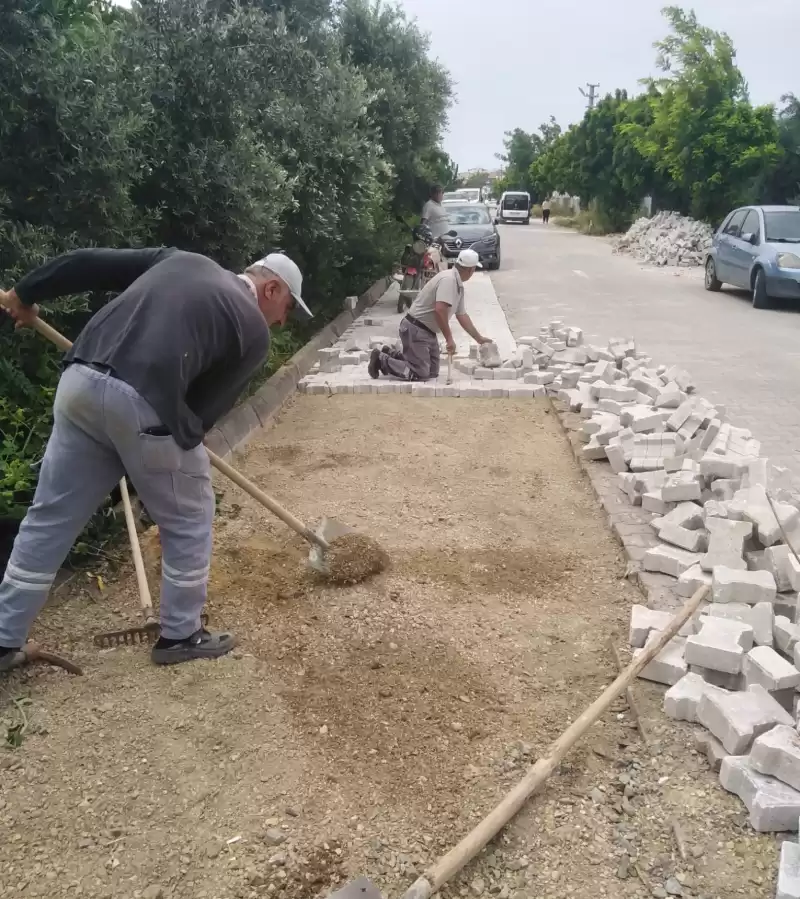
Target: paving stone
759, 616
694, 541
777, 754
773, 806
731, 682
653, 502
451, 390
350, 359
711, 748
736, 719
643, 622
681, 486
593, 450
668, 667
786, 634
472, 390
776, 560
669, 560
751, 587
692, 579
684, 515
616, 457
483, 373
682, 699
724, 489
720, 644
753, 505
726, 544
521, 391
421, 389
763, 666
789, 871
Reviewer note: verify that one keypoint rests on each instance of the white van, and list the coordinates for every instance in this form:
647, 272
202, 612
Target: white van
470, 194
514, 206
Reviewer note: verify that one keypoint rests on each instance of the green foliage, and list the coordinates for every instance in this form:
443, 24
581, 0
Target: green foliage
228, 128
477, 179
522, 151
692, 141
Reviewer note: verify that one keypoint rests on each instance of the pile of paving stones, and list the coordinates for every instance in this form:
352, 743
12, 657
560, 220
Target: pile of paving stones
734, 668
667, 238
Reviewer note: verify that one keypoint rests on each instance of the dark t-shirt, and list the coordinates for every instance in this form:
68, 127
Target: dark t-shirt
185, 333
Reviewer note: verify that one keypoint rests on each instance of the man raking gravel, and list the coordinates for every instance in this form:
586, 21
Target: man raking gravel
429, 316
147, 378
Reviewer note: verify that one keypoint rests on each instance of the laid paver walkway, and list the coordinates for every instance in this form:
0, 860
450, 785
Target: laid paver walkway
380, 323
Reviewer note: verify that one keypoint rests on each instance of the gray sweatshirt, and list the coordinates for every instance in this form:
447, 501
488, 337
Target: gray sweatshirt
185, 333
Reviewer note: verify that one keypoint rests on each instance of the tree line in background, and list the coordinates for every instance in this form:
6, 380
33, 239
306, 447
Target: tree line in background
692, 140
226, 128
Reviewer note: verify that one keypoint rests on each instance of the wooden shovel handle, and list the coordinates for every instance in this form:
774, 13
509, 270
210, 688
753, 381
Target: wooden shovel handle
260, 497
449, 865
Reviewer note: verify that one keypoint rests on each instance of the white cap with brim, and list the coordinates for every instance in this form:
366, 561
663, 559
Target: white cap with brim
282, 266
469, 259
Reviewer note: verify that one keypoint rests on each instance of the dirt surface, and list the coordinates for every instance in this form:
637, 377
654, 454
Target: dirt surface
364, 729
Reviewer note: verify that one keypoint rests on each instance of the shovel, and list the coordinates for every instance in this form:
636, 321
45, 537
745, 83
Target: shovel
449, 865
327, 530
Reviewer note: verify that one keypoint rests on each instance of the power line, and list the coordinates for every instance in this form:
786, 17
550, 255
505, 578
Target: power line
591, 94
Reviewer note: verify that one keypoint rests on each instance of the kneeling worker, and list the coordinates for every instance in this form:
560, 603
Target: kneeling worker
429, 316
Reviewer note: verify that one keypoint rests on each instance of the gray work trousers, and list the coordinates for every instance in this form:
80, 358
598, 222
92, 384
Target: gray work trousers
100, 433
419, 358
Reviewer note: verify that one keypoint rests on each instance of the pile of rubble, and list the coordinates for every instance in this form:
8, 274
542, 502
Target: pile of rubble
735, 667
667, 238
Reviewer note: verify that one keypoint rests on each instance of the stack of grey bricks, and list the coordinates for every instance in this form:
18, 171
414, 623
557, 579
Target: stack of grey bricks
703, 492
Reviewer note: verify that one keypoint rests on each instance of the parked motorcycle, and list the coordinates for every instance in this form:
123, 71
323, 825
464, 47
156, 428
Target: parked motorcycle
421, 260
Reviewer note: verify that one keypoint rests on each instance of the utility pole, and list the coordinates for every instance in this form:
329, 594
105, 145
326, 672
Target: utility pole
591, 94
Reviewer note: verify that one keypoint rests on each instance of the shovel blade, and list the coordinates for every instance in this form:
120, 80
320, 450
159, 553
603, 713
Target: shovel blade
329, 529
358, 889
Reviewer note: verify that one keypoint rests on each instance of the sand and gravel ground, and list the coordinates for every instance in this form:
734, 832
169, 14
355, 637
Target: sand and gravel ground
364, 729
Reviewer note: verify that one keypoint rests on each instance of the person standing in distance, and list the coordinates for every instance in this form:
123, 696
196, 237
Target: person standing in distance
434, 214
146, 379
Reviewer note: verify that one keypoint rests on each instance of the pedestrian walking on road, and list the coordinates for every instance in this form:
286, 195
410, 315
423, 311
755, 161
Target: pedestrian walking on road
546, 211
429, 316
147, 378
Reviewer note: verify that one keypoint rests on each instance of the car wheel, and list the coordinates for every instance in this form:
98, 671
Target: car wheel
711, 280
527, 222
760, 297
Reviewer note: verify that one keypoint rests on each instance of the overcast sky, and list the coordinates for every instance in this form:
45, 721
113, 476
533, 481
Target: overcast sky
516, 62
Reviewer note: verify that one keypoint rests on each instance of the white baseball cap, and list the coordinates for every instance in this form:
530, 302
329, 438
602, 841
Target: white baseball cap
469, 259
282, 266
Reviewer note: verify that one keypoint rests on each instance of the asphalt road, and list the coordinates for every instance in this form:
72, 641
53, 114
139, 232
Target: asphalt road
747, 359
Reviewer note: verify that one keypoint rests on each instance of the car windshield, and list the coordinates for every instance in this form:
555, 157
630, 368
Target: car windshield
783, 227
515, 201
468, 215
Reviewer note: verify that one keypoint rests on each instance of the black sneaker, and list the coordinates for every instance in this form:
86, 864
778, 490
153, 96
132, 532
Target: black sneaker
202, 644
374, 364
10, 658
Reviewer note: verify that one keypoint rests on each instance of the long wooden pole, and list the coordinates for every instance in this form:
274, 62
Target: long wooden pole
449, 865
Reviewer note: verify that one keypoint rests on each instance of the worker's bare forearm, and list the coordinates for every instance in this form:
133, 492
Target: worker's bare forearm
466, 323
